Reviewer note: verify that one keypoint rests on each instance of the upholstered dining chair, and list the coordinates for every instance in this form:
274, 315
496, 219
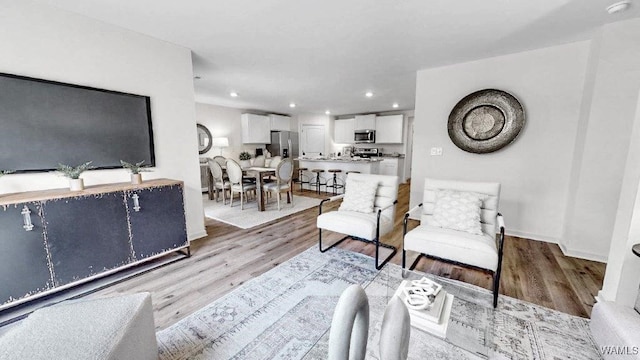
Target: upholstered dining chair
237, 185
219, 183
221, 160
283, 183
458, 224
258, 161
275, 161
366, 213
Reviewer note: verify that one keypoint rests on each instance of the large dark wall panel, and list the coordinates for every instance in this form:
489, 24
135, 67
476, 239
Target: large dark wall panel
45, 123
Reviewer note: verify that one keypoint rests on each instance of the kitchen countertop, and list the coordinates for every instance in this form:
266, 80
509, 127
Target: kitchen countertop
346, 160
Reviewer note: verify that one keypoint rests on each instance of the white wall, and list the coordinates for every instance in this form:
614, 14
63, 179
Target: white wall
605, 139
48, 43
621, 51
535, 169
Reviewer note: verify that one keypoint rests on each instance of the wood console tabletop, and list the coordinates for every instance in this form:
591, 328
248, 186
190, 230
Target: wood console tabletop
51, 194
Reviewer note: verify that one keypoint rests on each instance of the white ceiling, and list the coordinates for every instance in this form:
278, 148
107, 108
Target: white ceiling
325, 54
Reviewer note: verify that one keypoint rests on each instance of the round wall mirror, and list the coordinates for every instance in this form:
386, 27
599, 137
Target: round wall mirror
204, 139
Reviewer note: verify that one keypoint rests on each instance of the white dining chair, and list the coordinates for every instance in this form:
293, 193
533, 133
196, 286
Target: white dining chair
284, 181
219, 183
237, 185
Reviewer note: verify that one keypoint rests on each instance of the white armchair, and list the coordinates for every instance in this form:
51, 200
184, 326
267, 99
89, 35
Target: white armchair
458, 224
366, 213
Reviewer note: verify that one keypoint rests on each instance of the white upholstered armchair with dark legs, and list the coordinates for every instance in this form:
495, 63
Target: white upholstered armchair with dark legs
458, 223
366, 213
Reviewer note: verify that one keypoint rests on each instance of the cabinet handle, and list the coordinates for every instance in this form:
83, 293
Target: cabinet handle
136, 202
26, 217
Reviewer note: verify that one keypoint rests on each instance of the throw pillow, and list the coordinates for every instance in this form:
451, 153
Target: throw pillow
458, 210
359, 196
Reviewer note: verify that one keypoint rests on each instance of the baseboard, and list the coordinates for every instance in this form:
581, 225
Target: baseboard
197, 235
529, 236
582, 255
565, 251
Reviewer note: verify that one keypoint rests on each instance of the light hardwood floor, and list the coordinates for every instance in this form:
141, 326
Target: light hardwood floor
533, 271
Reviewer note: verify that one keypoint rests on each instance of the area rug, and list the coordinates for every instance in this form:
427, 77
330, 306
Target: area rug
286, 314
250, 216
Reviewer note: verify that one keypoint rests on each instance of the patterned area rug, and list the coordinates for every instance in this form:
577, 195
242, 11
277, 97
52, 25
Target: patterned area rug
250, 216
286, 314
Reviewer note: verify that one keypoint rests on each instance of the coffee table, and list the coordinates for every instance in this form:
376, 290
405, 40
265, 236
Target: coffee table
471, 322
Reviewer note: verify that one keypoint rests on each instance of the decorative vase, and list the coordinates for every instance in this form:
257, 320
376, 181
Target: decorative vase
245, 163
136, 179
76, 184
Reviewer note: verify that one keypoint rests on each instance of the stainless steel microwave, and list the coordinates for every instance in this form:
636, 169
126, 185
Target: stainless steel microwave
365, 136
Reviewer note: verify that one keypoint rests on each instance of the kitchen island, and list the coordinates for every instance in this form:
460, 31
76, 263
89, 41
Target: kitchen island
363, 165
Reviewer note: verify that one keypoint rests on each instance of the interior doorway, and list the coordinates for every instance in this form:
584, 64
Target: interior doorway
312, 141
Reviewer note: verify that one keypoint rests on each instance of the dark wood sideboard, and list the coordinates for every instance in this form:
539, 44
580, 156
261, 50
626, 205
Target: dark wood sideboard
56, 239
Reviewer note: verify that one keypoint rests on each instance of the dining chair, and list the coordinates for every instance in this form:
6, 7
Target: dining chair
237, 185
258, 161
219, 183
275, 161
221, 160
283, 183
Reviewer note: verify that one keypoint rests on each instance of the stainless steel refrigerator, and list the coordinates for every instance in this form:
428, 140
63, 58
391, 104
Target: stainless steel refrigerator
284, 143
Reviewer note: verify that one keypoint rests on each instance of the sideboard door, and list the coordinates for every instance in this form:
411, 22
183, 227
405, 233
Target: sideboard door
87, 235
157, 220
24, 269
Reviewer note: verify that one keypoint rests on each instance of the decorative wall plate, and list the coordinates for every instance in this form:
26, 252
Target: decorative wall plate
485, 121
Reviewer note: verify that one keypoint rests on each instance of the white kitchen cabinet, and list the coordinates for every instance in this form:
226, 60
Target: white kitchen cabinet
343, 131
365, 122
280, 122
256, 129
389, 129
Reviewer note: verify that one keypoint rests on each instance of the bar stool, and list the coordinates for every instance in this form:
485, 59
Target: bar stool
334, 185
301, 177
317, 183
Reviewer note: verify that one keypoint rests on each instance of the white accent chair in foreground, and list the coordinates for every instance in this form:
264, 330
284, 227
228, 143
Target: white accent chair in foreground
458, 224
366, 213
109, 328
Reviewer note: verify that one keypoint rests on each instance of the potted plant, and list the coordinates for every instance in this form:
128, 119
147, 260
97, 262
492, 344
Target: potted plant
73, 173
135, 169
245, 159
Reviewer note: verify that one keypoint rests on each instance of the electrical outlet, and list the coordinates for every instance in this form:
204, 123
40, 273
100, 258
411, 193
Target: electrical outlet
436, 151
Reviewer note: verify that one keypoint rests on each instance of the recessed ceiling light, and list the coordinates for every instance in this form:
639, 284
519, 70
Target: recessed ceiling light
368, 94
395, 105
233, 94
292, 105
327, 112
618, 7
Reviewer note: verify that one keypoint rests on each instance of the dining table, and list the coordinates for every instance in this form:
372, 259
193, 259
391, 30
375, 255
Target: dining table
258, 173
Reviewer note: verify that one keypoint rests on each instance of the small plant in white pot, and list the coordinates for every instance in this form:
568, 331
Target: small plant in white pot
135, 169
73, 173
245, 159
